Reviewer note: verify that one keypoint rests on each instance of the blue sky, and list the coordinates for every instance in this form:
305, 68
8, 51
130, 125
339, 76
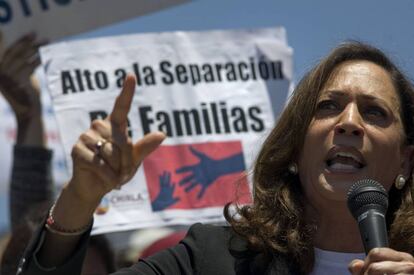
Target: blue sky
313, 27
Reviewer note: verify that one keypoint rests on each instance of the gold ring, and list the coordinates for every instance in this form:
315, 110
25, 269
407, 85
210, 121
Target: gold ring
99, 145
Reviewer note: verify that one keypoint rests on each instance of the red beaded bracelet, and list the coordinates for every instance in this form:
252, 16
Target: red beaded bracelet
52, 227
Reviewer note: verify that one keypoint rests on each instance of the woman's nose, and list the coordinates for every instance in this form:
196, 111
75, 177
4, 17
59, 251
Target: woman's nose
350, 122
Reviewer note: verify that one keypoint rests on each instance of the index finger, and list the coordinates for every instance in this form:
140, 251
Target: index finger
356, 266
123, 102
387, 254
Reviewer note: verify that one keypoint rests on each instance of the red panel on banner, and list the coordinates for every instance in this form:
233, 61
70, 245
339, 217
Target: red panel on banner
196, 175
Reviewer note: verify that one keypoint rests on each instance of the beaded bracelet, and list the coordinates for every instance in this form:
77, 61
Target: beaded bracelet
52, 227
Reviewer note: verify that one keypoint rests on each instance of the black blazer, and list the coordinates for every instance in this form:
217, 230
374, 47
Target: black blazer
206, 249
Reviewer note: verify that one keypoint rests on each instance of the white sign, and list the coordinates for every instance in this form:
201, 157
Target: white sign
53, 19
215, 94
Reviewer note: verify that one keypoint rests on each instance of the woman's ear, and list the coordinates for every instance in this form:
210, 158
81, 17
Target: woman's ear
408, 161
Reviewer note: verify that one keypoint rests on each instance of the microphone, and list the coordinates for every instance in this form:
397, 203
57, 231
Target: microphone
368, 203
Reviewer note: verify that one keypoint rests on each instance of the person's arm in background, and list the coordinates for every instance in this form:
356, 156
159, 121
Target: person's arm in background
31, 180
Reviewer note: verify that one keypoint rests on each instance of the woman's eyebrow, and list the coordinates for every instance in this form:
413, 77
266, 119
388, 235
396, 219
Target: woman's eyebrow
334, 93
341, 94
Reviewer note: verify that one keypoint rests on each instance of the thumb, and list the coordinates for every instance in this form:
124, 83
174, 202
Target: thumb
355, 267
146, 145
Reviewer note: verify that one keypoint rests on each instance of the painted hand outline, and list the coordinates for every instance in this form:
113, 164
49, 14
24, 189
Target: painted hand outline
165, 197
208, 170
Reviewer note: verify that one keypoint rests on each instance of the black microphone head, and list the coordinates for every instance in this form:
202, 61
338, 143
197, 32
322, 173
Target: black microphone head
367, 194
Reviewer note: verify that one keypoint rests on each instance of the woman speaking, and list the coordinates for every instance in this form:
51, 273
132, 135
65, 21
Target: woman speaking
350, 118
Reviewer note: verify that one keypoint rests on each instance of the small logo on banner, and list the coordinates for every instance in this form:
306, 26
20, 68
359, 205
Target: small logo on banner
196, 175
103, 207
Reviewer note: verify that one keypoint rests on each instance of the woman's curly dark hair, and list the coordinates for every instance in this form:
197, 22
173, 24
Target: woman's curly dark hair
275, 222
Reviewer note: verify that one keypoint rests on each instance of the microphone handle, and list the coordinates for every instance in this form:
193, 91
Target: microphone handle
373, 229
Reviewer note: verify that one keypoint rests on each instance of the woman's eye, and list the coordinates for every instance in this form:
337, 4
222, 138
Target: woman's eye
327, 105
375, 111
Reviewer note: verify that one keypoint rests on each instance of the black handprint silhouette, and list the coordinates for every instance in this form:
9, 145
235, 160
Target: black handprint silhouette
208, 170
165, 197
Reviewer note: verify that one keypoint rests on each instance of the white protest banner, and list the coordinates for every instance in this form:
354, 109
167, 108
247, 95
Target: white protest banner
214, 93
53, 19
